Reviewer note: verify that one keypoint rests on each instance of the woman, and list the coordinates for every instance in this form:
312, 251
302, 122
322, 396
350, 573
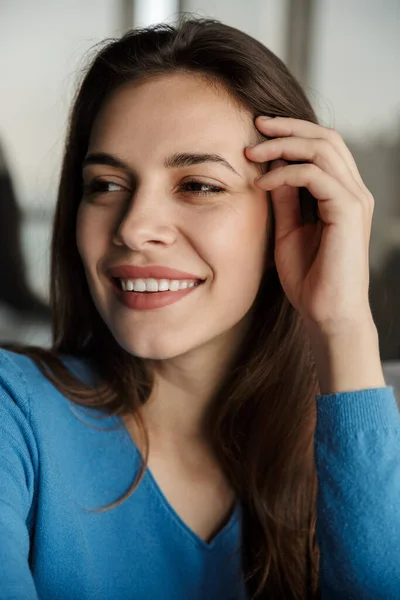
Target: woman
208, 321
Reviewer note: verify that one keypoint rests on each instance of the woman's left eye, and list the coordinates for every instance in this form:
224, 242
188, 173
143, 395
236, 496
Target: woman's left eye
199, 188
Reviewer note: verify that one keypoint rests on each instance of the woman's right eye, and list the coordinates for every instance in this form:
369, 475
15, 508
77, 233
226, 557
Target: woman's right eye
101, 186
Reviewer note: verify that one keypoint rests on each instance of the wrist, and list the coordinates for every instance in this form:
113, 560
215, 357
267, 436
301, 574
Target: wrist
362, 325
347, 358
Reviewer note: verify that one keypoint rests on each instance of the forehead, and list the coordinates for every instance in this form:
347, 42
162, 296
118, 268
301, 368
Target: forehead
170, 113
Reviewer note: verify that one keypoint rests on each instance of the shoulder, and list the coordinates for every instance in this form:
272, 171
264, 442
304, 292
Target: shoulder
18, 443
23, 383
21, 369
15, 370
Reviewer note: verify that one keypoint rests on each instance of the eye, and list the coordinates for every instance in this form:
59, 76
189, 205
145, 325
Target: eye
200, 188
102, 186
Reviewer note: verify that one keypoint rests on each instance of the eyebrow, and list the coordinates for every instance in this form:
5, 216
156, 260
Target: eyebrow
186, 159
182, 159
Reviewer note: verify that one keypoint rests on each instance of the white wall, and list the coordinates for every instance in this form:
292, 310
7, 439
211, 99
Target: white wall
262, 19
356, 66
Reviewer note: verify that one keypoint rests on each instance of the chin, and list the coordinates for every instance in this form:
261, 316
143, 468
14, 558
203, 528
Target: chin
158, 348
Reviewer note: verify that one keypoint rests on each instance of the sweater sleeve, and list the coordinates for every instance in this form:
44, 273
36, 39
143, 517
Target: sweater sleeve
357, 455
18, 466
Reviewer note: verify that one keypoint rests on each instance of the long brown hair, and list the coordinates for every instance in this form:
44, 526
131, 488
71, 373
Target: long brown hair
262, 417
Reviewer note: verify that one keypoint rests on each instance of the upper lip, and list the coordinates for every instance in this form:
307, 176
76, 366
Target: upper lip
153, 271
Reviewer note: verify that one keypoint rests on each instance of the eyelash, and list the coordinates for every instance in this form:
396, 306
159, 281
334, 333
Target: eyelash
99, 186
214, 189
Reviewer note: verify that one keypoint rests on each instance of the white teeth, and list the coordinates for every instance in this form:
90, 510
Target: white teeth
155, 285
163, 286
139, 285
174, 285
151, 285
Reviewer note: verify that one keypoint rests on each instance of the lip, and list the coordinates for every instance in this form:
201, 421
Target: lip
153, 271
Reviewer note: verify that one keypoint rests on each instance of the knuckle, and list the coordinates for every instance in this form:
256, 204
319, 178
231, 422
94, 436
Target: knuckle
359, 209
333, 136
324, 143
370, 196
310, 169
309, 172
323, 147
370, 199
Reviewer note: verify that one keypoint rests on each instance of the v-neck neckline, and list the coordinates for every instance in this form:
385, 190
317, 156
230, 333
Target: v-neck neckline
233, 518
234, 515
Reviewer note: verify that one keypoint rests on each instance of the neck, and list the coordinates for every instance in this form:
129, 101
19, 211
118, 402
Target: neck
176, 412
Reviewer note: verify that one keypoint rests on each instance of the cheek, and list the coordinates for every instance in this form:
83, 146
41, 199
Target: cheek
91, 236
234, 244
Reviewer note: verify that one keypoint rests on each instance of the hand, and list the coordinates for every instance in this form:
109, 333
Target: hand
323, 267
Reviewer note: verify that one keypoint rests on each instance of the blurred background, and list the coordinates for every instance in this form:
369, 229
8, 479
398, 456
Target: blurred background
346, 53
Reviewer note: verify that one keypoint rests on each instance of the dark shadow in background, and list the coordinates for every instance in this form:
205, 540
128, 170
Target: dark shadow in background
385, 305
378, 160
14, 289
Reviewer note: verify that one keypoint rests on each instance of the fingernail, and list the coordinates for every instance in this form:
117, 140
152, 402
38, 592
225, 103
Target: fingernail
264, 117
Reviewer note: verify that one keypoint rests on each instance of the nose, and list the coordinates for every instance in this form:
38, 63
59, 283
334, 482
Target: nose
148, 219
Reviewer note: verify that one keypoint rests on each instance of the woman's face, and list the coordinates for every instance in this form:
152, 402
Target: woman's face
173, 188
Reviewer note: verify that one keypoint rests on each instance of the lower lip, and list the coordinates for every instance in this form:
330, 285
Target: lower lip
150, 300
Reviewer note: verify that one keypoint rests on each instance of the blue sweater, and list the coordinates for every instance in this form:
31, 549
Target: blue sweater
53, 467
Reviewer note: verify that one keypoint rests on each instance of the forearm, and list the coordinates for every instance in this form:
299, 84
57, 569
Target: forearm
348, 360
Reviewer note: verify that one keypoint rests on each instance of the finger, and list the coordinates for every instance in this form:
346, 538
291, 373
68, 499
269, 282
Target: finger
282, 127
318, 151
333, 199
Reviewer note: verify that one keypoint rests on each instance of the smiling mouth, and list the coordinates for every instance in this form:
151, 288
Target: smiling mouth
117, 283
